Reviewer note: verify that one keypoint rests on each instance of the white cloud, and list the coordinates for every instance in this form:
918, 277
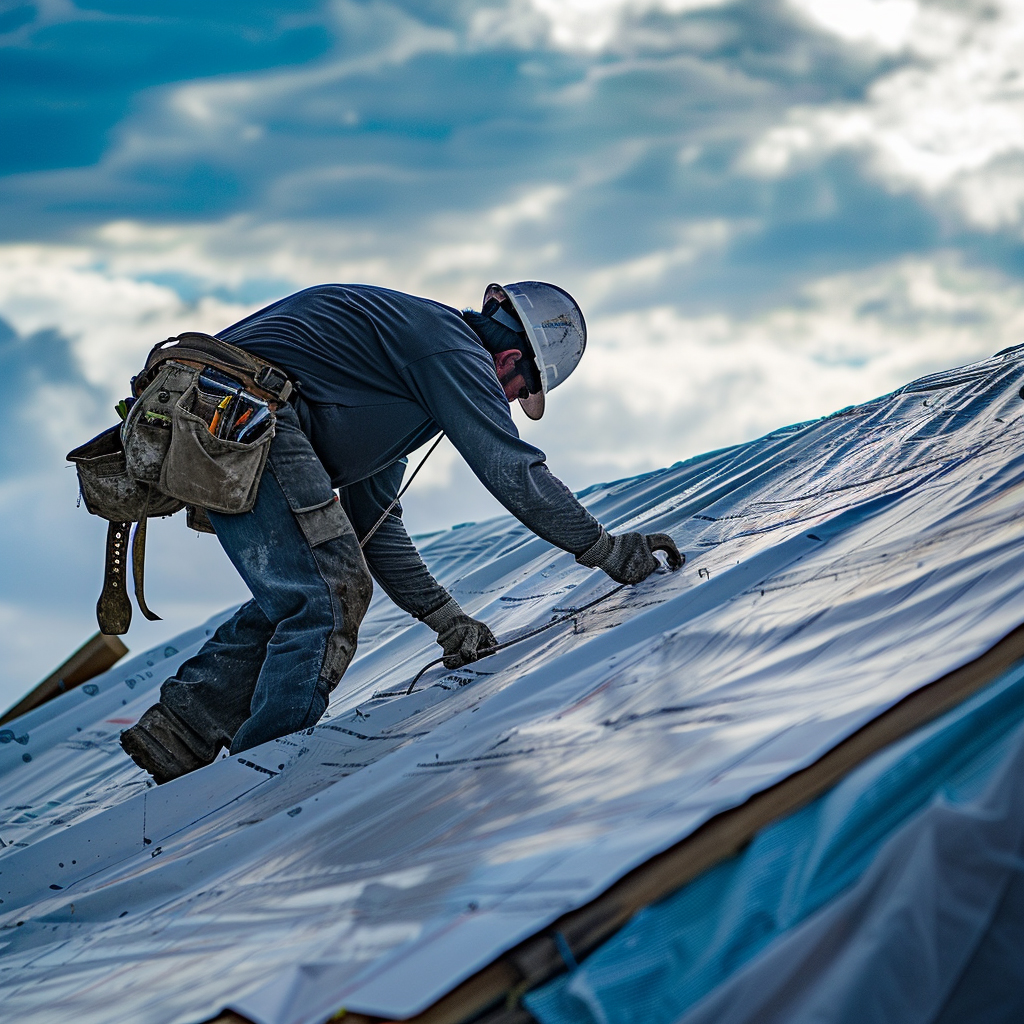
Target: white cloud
994, 199
448, 257
112, 318
885, 24
668, 384
694, 240
950, 125
592, 25
657, 386
378, 37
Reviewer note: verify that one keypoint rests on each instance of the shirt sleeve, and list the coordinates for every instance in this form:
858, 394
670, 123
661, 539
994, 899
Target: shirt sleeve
460, 390
390, 554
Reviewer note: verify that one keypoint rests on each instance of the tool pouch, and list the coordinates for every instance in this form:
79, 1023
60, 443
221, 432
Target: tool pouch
197, 519
207, 471
168, 443
149, 426
107, 487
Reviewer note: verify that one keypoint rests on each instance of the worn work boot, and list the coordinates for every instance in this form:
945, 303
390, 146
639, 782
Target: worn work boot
163, 745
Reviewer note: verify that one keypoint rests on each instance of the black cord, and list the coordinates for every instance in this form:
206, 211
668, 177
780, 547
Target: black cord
398, 497
571, 613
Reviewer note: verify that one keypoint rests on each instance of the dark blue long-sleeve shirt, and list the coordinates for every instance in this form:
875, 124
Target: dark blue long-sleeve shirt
380, 373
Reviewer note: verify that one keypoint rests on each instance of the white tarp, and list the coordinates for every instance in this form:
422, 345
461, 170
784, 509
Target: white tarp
377, 860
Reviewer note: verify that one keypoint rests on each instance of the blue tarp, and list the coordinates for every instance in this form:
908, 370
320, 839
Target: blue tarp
931, 934
675, 952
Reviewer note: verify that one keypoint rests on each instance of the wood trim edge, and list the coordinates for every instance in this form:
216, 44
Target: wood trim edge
96, 655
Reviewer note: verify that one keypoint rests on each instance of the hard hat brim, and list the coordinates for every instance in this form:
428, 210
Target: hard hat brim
534, 405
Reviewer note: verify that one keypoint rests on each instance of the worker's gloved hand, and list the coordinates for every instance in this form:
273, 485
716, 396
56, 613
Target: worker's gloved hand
629, 557
463, 639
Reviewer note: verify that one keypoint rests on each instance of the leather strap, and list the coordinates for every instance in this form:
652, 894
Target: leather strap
114, 609
139, 562
262, 378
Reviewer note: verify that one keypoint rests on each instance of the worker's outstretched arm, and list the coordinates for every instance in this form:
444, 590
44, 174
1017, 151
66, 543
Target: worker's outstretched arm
462, 393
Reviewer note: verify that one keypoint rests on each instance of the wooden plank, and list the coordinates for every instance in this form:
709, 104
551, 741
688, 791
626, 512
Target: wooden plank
498, 987
96, 655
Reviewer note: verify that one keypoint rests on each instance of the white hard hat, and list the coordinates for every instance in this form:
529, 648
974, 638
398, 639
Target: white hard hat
555, 328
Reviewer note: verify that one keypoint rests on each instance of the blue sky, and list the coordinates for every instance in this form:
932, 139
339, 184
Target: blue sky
768, 210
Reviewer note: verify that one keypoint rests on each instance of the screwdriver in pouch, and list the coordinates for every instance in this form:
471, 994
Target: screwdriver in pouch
218, 414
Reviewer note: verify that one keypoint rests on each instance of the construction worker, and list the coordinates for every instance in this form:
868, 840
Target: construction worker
377, 374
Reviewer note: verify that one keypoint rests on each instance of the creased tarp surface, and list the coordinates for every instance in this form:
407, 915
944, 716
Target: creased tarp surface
672, 954
379, 859
931, 934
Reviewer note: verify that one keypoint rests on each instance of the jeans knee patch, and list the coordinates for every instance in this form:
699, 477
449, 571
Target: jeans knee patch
323, 522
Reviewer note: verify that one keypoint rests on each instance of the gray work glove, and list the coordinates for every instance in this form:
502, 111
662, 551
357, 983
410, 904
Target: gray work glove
629, 557
461, 638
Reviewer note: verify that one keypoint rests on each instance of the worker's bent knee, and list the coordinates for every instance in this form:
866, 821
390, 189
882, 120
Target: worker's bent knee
350, 596
359, 590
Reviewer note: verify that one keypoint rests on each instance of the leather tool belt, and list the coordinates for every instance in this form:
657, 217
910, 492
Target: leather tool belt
196, 435
260, 377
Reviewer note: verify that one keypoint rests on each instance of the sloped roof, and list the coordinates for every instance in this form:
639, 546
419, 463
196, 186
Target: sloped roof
379, 859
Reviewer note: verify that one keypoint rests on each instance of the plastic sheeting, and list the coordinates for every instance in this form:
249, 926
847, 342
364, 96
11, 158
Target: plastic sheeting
675, 952
931, 934
379, 859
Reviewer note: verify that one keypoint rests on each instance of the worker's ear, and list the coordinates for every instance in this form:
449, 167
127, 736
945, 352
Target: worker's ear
504, 362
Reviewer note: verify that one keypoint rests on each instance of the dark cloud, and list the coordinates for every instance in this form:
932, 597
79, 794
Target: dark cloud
67, 83
43, 389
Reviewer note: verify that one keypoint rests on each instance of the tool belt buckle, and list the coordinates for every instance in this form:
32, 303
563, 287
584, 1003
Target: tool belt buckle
271, 379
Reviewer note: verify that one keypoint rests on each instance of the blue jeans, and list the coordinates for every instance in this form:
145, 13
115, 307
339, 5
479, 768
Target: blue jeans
269, 670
